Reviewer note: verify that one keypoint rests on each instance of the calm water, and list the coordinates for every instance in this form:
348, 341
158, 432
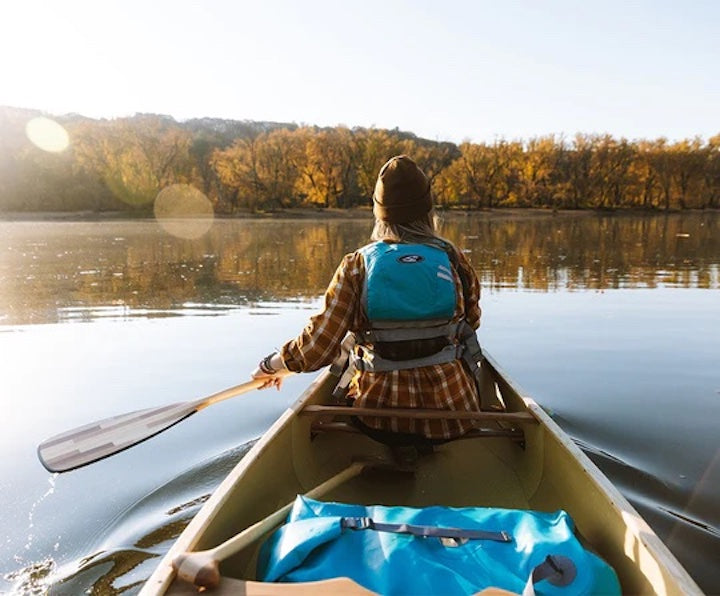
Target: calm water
612, 323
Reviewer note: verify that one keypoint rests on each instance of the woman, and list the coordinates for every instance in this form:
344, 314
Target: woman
410, 300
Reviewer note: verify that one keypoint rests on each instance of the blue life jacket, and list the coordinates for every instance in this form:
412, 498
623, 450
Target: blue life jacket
408, 295
407, 282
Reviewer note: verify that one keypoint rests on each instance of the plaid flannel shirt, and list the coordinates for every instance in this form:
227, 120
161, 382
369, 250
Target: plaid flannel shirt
441, 386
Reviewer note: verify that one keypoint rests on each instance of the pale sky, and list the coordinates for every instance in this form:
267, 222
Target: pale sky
445, 69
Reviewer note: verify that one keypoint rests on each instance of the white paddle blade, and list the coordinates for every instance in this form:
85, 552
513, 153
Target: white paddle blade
92, 442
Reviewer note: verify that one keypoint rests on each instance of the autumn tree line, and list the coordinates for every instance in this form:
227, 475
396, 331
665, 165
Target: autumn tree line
241, 166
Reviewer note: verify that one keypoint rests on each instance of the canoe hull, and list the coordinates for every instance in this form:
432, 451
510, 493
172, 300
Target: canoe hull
546, 472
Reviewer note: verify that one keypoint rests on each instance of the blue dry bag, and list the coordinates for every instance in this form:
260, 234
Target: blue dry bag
435, 550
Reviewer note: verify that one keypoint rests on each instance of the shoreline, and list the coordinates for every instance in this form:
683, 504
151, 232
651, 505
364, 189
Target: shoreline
353, 214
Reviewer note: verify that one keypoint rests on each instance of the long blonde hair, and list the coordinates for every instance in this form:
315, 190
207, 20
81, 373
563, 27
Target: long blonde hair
421, 230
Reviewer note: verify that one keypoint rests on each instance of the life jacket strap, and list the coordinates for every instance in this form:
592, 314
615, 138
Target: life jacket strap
389, 333
340, 367
346, 346
353, 357
365, 359
472, 355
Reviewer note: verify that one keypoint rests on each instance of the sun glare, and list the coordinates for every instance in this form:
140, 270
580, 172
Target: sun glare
183, 211
47, 134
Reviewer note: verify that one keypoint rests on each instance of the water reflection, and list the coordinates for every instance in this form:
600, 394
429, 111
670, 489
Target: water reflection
53, 272
594, 252
631, 374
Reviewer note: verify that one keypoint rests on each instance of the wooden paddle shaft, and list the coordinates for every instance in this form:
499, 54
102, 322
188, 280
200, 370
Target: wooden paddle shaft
250, 534
235, 391
228, 393
202, 568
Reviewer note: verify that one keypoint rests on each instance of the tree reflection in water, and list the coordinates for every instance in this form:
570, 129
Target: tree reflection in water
54, 271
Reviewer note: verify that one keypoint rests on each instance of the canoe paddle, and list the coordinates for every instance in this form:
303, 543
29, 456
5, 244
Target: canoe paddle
202, 567
98, 440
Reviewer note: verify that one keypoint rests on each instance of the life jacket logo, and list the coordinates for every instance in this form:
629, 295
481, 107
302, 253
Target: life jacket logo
410, 259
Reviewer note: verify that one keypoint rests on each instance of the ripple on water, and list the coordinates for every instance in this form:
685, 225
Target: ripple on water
134, 541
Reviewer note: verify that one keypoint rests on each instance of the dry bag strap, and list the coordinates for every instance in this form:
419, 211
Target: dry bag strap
367, 523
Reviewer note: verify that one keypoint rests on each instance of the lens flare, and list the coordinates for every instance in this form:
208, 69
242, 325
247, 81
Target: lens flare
47, 134
183, 211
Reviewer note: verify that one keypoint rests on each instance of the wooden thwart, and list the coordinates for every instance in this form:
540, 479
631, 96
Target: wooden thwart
518, 417
510, 433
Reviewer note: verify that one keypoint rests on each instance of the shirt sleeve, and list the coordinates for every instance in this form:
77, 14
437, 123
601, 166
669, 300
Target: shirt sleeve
319, 343
471, 289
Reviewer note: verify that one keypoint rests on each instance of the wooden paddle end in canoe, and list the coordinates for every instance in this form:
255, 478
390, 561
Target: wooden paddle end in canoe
199, 569
202, 568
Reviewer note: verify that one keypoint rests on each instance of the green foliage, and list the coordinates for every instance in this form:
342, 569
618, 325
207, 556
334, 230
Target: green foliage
123, 164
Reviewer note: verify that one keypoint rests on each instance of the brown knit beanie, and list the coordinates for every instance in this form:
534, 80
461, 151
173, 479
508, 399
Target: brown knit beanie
402, 192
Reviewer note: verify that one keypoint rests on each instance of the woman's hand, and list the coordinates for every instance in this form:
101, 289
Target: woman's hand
270, 380
272, 370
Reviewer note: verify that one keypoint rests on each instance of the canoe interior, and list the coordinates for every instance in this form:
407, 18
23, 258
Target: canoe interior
547, 473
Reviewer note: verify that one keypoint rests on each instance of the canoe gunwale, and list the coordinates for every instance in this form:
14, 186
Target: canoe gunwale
160, 580
638, 529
